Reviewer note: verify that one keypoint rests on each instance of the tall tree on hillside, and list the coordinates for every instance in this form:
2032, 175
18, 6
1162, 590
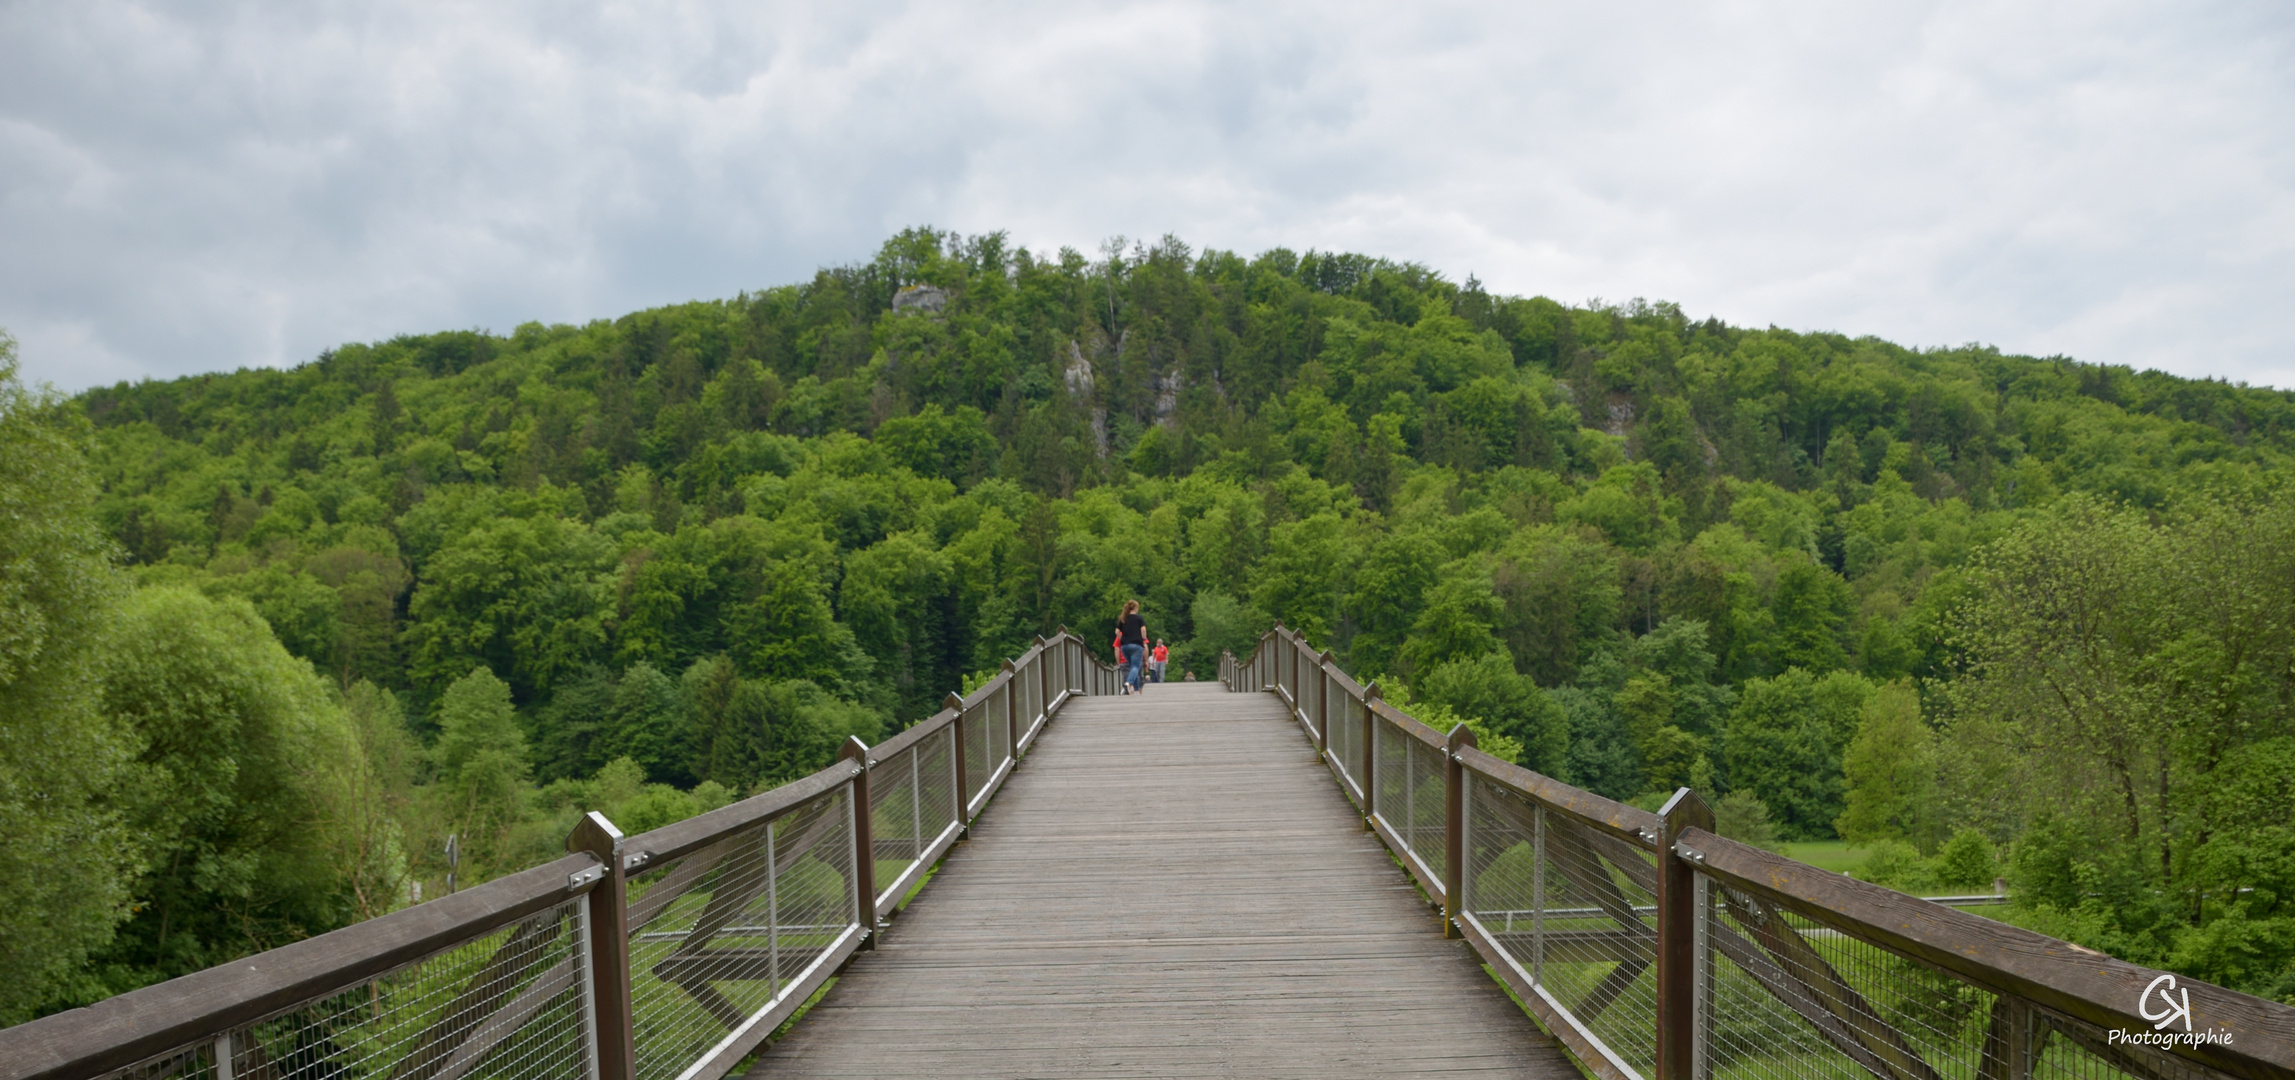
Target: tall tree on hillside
234, 792
67, 864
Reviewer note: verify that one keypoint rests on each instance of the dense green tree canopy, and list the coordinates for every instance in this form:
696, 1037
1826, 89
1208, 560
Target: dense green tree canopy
650, 563
65, 868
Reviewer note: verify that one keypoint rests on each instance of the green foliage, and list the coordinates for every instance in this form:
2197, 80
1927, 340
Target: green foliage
481, 760
1966, 861
2122, 718
1742, 816
1890, 772
1489, 737
65, 871
1221, 625
696, 547
1486, 688
234, 790
1785, 741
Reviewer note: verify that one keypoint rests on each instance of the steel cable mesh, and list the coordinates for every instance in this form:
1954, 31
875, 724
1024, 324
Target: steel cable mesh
1347, 740
975, 752
721, 935
1573, 909
1328, 708
1390, 771
1501, 882
909, 806
196, 1063
1000, 728
1409, 775
509, 1004
1426, 827
1787, 999
2068, 1049
1793, 998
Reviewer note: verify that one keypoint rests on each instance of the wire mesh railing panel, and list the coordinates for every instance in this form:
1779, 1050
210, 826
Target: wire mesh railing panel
1425, 826
1347, 739
935, 771
1500, 885
196, 1063
999, 723
1389, 773
723, 934
1790, 998
1575, 911
976, 757
908, 807
2066, 1049
1787, 998
1331, 702
510, 1004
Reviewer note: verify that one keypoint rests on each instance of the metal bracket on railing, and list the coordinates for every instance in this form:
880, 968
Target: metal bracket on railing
1688, 852
636, 859
582, 879
1650, 835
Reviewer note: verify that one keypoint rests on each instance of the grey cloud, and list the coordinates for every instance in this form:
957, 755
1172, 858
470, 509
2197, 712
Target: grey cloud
199, 187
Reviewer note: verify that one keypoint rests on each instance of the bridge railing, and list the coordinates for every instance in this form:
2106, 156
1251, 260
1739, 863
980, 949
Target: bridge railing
669, 955
1658, 950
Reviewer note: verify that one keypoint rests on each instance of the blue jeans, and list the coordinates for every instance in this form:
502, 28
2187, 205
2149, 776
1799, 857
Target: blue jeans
1133, 654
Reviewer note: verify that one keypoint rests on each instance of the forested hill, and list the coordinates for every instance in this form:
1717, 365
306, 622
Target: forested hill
652, 563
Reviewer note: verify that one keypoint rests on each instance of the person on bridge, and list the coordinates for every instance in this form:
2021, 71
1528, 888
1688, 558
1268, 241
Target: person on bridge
1131, 636
1156, 659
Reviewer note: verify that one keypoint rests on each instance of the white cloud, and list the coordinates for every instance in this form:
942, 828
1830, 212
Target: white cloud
200, 187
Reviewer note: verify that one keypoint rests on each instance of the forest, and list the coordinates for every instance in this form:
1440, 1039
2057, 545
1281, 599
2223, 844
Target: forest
268, 638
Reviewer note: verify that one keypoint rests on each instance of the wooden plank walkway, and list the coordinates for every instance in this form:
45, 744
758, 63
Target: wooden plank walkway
1169, 885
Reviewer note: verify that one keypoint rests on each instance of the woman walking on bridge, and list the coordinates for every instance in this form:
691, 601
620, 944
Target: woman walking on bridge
1131, 636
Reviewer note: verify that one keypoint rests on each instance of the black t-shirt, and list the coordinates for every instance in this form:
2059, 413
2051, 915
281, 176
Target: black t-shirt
1132, 629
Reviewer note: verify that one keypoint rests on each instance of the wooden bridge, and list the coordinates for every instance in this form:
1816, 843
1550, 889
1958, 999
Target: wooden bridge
1276, 874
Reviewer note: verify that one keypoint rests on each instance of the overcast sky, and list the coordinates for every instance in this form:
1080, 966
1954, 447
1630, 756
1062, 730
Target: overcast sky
199, 187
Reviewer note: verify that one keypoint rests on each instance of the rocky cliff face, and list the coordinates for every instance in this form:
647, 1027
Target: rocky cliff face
1092, 363
1078, 376
921, 298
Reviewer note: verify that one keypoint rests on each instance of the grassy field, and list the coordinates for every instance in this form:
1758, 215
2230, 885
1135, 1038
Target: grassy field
1834, 855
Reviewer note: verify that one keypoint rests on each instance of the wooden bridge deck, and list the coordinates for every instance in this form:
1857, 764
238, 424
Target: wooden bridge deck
1170, 885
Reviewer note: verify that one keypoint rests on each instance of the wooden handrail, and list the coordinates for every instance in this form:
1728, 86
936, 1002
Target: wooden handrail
123, 1030
2042, 984
2007, 960
186, 1014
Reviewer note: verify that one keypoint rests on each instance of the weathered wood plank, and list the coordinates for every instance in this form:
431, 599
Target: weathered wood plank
1171, 886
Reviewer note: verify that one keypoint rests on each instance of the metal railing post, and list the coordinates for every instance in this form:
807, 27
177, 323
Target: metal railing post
1679, 1039
615, 1035
959, 753
1454, 824
1371, 696
864, 844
